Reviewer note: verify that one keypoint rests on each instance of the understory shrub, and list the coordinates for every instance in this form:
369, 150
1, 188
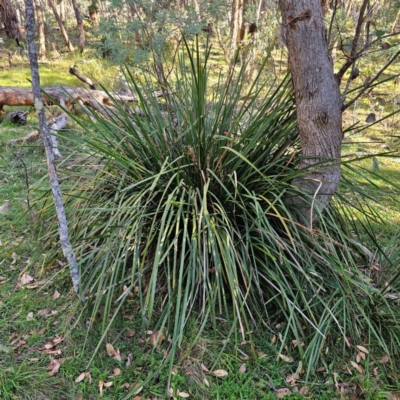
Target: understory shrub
183, 202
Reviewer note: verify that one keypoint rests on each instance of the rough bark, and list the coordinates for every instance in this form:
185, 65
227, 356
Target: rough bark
42, 36
318, 103
62, 10
61, 25
237, 25
10, 20
55, 187
79, 22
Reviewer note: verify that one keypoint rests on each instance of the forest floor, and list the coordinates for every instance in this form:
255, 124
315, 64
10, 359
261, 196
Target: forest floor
46, 351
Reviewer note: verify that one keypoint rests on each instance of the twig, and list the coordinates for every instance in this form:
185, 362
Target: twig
353, 52
30, 135
20, 159
345, 106
83, 78
348, 83
331, 22
68, 251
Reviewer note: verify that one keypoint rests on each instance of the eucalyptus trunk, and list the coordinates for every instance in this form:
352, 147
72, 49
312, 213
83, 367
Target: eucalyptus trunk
61, 25
42, 36
79, 22
237, 25
318, 103
10, 20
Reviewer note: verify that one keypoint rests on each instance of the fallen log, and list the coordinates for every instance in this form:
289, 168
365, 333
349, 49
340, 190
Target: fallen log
16, 96
18, 117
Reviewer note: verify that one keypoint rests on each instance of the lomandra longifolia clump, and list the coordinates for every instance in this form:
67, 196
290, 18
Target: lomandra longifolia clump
185, 206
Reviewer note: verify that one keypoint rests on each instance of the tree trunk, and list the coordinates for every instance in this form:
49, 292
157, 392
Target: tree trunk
81, 42
318, 103
10, 20
237, 25
62, 10
55, 187
42, 36
61, 25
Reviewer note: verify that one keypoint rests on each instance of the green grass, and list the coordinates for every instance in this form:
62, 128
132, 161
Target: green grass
55, 72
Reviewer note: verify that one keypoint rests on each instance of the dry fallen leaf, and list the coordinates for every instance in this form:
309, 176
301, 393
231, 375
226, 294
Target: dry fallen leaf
57, 339
80, 378
108, 384
204, 368
5, 207
304, 390
393, 396
89, 377
112, 352
292, 378
220, 373
183, 395
136, 388
110, 349
45, 311
101, 384
280, 393
29, 317
384, 360
242, 368
157, 338
363, 349
358, 367
206, 382
54, 366
286, 358
25, 278
117, 371
56, 295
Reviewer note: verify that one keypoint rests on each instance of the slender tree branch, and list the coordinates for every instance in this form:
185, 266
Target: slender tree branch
345, 106
44, 128
353, 52
331, 22
348, 83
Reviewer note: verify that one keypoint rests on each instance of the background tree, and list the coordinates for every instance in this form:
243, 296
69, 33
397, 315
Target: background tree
61, 25
79, 21
10, 20
41, 30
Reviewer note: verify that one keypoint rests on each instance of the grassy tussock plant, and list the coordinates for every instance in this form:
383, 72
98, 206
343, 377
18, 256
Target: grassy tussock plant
188, 210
